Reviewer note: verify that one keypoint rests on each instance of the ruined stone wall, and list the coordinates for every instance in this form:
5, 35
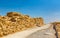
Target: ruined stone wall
14, 22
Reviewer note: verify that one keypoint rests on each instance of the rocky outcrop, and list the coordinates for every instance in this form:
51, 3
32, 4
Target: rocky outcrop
57, 25
15, 22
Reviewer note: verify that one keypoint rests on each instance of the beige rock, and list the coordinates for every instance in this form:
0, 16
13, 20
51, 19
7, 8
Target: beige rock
15, 22
57, 24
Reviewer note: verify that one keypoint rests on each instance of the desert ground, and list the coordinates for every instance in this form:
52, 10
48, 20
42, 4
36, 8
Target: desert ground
38, 32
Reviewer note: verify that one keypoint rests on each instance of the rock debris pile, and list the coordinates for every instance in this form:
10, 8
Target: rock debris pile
14, 22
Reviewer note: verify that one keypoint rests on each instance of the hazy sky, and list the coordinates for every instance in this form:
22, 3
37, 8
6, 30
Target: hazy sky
48, 9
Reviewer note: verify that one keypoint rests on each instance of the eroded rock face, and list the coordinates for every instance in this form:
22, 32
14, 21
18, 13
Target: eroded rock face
57, 25
14, 22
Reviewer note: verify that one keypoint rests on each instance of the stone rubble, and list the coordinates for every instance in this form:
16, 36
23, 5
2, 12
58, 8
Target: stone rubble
15, 22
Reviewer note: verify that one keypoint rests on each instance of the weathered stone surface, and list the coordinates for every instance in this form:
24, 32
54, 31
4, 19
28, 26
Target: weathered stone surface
57, 24
15, 22
38, 21
10, 14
